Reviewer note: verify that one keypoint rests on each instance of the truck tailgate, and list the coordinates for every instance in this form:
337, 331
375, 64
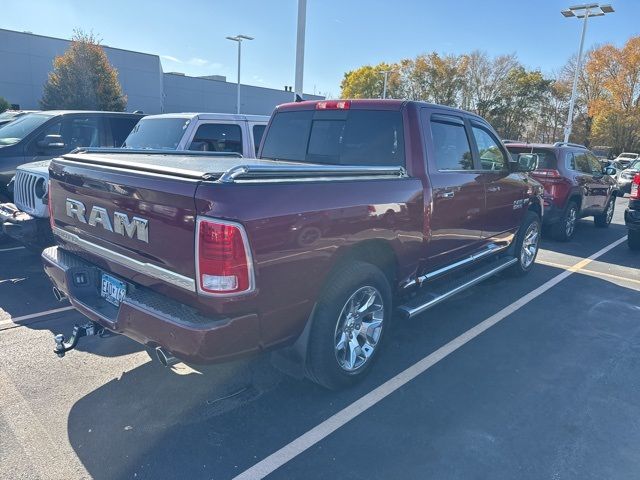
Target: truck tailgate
136, 225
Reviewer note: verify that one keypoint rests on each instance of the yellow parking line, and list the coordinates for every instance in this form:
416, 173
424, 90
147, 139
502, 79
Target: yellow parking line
575, 268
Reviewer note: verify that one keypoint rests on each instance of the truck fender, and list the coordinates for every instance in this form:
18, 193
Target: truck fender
292, 360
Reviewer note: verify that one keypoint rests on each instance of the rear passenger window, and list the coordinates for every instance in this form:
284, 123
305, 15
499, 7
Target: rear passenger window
217, 137
451, 146
491, 157
258, 132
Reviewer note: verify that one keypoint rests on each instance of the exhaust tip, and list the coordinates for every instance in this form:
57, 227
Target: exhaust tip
60, 296
165, 357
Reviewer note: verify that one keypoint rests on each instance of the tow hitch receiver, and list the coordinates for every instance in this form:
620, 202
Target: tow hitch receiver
84, 330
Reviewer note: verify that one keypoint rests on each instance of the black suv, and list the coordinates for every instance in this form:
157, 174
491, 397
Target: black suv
576, 185
45, 135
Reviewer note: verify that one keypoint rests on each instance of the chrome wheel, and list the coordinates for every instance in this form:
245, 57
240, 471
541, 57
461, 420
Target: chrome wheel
572, 217
530, 245
359, 328
610, 208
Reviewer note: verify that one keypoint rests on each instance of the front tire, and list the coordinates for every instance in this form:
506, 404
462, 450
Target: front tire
348, 325
564, 230
604, 219
527, 245
633, 239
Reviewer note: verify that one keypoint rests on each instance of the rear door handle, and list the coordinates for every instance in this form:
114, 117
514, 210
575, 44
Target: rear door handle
493, 189
448, 194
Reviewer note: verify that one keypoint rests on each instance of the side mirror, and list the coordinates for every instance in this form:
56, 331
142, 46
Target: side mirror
526, 162
609, 170
51, 141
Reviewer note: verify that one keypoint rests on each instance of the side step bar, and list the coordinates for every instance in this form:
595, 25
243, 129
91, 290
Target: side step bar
435, 295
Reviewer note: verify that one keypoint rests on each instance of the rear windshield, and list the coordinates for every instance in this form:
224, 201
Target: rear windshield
337, 137
157, 133
16, 130
546, 158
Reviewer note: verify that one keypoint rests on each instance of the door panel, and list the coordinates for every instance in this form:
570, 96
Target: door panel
453, 220
579, 163
505, 192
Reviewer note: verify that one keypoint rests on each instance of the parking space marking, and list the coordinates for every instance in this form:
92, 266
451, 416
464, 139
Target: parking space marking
16, 320
586, 271
333, 423
11, 249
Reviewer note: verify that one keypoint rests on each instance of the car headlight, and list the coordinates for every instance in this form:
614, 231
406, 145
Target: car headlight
40, 187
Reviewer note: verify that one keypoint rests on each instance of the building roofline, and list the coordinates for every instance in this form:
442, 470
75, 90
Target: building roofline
69, 40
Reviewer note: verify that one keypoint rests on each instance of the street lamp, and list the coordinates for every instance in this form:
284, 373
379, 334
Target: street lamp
302, 21
386, 76
581, 11
239, 39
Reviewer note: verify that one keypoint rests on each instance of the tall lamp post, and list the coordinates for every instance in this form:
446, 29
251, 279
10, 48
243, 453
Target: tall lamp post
239, 39
386, 77
302, 20
581, 11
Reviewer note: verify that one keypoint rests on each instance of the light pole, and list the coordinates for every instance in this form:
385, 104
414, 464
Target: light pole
239, 39
581, 11
302, 20
386, 76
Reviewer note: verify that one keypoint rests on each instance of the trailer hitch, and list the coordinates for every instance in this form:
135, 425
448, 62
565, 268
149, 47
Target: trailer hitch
85, 330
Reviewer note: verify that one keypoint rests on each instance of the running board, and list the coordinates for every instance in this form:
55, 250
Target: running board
435, 295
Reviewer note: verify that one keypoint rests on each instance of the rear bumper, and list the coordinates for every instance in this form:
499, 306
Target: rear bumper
24, 227
150, 318
632, 218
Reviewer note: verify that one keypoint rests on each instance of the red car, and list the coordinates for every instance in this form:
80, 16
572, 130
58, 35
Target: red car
575, 186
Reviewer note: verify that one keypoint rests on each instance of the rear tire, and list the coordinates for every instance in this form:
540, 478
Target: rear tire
348, 326
527, 244
564, 230
604, 219
633, 239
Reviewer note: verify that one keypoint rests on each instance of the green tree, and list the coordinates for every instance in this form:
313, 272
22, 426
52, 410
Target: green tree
83, 79
4, 104
368, 82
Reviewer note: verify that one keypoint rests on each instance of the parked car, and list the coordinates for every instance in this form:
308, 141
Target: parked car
626, 158
632, 215
41, 136
10, 115
207, 261
625, 177
575, 186
602, 153
205, 132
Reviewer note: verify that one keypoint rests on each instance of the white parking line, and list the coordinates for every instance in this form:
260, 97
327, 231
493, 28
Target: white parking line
17, 320
11, 249
324, 429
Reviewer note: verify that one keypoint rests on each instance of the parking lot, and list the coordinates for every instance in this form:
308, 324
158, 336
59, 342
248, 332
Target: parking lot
528, 378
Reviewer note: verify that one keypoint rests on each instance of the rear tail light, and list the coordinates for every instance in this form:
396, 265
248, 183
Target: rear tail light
223, 263
635, 187
334, 105
50, 206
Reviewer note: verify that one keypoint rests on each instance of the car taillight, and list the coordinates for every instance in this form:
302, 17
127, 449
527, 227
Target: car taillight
50, 205
334, 105
635, 187
223, 262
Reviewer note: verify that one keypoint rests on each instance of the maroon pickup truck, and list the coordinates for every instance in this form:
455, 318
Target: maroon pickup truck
354, 211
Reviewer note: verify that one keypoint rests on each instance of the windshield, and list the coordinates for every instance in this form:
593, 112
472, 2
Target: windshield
631, 156
546, 158
21, 127
157, 133
635, 165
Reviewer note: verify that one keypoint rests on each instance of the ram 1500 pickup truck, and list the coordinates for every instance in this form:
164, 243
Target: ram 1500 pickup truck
353, 212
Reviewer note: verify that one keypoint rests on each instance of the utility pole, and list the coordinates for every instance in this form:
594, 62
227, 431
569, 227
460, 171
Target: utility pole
239, 39
386, 76
581, 11
302, 20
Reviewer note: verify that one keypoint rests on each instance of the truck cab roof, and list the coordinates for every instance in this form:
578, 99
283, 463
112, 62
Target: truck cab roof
213, 116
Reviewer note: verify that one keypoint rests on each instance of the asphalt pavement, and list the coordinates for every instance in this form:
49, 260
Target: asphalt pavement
527, 378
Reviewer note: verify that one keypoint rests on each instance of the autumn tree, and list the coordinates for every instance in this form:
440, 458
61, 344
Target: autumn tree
616, 112
83, 79
4, 104
368, 82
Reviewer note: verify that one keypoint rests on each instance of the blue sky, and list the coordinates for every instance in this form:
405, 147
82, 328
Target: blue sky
189, 35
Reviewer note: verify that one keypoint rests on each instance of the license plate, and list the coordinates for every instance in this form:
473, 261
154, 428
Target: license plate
112, 289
